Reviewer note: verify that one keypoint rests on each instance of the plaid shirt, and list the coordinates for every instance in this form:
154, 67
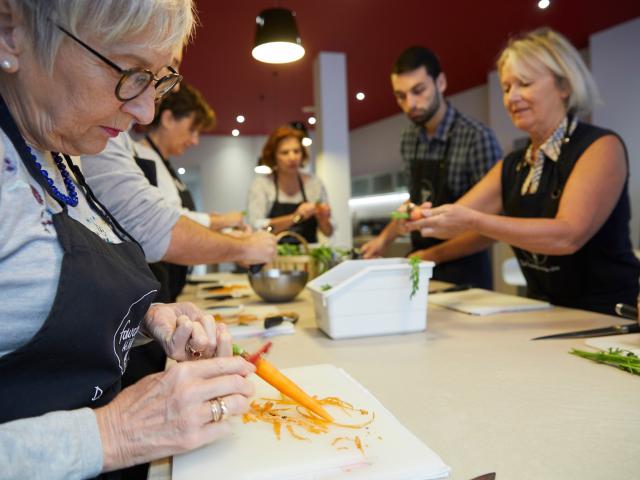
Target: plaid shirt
473, 151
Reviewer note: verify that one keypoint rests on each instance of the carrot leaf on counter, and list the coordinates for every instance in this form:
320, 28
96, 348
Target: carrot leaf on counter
615, 357
324, 287
414, 274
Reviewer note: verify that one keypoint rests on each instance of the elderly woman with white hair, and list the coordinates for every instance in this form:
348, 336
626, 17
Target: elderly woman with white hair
76, 290
562, 201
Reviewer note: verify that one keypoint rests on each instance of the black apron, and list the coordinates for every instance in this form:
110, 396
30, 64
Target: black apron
604, 271
79, 355
151, 358
428, 182
307, 228
172, 277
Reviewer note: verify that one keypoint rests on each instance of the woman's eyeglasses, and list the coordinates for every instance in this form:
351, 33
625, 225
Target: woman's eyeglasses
134, 81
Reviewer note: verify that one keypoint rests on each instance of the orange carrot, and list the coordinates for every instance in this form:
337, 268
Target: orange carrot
284, 385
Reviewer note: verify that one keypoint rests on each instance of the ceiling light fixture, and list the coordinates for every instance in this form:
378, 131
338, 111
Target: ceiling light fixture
298, 125
360, 96
277, 39
182, 171
235, 132
240, 119
542, 4
311, 120
262, 169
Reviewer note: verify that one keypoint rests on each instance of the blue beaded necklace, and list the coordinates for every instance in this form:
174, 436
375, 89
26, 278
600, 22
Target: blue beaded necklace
72, 197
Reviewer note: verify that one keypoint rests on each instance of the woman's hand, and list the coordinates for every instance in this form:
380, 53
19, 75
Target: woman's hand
170, 412
374, 247
445, 221
323, 212
186, 332
306, 210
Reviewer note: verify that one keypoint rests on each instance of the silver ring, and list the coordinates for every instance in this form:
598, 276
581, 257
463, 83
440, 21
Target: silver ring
216, 410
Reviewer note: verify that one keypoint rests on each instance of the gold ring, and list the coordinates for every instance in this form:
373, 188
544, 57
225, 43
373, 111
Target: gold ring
223, 408
192, 351
216, 410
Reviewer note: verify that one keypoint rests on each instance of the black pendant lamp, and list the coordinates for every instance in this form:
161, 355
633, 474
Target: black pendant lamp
277, 38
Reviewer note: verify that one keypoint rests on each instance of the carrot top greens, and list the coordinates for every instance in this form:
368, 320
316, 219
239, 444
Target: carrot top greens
616, 357
414, 274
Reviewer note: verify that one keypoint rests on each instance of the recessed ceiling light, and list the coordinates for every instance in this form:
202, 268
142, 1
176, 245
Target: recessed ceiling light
240, 119
235, 132
181, 171
306, 141
311, 120
360, 96
542, 4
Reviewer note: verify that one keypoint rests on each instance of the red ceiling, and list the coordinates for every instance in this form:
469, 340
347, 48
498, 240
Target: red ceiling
466, 34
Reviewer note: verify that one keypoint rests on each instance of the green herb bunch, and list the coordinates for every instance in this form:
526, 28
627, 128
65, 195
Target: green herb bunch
324, 256
616, 357
414, 274
286, 249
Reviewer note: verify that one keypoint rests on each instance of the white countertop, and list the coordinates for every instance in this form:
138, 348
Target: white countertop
483, 396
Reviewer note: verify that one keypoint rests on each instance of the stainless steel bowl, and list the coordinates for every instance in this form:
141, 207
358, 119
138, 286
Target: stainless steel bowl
275, 285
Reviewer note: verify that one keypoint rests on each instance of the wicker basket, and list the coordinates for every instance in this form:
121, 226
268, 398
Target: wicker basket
305, 263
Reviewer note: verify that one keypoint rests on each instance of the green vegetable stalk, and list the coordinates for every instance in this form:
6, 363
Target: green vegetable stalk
324, 287
395, 215
622, 359
414, 274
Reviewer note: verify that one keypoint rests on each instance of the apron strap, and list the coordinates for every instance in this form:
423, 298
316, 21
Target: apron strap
300, 183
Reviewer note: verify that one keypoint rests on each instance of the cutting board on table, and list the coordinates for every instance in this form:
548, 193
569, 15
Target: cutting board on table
252, 451
477, 301
630, 342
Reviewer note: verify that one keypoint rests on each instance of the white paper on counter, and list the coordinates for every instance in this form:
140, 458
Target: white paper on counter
256, 329
477, 301
252, 452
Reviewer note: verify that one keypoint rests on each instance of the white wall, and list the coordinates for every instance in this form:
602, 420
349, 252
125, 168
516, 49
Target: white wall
226, 166
615, 63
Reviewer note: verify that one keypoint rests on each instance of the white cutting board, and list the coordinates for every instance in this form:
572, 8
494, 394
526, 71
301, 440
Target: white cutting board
477, 301
629, 342
252, 452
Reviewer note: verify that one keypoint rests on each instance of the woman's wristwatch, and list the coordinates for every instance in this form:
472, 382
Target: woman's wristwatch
297, 218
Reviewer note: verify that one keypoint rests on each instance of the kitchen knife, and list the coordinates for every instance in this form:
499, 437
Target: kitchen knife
223, 297
454, 288
595, 332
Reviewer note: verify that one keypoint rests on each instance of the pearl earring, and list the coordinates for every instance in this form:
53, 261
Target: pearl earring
6, 64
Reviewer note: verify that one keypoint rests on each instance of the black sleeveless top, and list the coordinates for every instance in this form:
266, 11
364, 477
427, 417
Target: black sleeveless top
605, 270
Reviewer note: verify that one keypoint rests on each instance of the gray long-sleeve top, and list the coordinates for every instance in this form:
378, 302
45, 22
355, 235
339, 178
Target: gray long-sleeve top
139, 207
60, 444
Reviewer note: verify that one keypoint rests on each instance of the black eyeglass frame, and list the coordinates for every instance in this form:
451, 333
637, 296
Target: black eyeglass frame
174, 76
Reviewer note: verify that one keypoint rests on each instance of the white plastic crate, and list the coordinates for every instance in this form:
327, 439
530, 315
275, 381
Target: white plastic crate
370, 297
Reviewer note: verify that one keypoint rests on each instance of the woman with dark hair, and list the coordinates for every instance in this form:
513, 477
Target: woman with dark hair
288, 199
